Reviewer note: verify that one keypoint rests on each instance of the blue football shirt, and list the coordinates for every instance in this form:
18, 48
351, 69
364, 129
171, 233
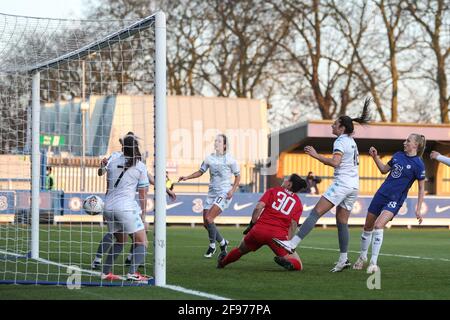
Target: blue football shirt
404, 171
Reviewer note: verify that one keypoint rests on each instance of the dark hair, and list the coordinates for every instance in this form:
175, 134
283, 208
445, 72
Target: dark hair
298, 183
49, 168
347, 122
129, 133
224, 141
131, 151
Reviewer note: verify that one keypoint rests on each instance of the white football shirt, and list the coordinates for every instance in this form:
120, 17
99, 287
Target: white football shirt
123, 195
221, 168
347, 173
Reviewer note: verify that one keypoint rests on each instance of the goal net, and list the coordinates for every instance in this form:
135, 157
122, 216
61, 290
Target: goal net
69, 90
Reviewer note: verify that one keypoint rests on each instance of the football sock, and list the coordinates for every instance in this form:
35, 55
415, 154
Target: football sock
222, 242
232, 256
343, 235
104, 245
219, 237
343, 257
306, 227
212, 232
130, 254
111, 256
376, 245
138, 257
297, 265
366, 238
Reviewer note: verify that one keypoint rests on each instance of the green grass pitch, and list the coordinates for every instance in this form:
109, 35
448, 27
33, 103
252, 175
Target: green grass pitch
415, 264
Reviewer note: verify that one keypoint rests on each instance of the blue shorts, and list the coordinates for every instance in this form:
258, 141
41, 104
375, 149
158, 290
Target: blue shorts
381, 202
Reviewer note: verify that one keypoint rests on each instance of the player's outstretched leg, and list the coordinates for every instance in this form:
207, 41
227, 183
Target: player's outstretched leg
289, 262
234, 255
307, 226
224, 259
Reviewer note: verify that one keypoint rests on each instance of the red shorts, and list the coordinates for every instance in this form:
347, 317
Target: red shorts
259, 236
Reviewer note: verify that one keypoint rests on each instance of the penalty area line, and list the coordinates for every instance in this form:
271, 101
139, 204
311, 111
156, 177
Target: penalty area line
194, 292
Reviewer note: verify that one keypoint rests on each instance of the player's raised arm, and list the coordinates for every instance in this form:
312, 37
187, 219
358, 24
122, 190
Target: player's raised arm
439, 157
196, 174
334, 162
384, 168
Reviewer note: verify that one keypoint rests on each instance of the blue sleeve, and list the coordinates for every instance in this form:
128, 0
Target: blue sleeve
420, 171
390, 161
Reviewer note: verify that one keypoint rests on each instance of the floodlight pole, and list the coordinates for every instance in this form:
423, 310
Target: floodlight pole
160, 149
35, 164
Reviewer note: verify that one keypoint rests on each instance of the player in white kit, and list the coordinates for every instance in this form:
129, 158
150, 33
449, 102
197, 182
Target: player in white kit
221, 167
108, 239
126, 173
343, 191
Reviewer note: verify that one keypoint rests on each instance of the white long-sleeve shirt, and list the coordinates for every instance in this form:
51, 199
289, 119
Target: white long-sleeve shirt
443, 159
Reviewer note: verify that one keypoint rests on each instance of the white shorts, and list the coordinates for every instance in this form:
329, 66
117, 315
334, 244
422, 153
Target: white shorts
128, 222
341, 196
220, 201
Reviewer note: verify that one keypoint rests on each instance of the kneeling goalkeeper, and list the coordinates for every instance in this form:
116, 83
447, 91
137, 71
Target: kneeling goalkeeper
276, 215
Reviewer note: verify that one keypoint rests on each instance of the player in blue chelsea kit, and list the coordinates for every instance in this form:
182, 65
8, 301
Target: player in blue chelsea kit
404, 168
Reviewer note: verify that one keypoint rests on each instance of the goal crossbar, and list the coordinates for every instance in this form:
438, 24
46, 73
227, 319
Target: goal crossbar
98, 45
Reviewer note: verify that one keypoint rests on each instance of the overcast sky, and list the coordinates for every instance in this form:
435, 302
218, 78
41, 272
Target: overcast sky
43, 8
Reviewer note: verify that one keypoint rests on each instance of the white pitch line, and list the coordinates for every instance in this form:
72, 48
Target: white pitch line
194, 292
381, 254
337, 250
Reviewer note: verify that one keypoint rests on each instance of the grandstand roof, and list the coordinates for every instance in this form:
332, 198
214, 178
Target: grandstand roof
387, 137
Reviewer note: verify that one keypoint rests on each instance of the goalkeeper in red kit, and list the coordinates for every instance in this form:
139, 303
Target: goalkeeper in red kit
276, 215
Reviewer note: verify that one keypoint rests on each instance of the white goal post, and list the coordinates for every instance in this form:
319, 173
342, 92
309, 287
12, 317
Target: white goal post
107, 80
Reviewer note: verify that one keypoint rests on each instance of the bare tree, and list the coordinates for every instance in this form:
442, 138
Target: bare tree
323, 60
430, 16
391, 12
246, 37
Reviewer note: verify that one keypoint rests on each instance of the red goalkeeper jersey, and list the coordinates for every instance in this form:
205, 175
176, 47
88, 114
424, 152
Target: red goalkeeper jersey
281, 207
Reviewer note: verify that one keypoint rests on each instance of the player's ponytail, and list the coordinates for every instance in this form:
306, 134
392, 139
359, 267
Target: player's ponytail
347, 122
421, 143
131, 150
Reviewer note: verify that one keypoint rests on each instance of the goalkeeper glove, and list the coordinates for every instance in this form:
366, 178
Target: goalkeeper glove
248, 227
